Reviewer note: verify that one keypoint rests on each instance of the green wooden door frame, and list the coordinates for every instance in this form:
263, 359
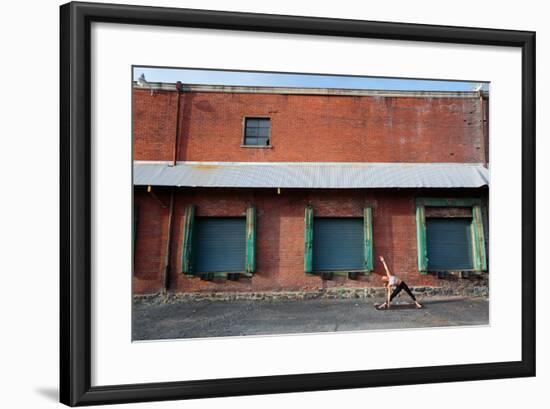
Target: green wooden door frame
421, 244
187, 242
476, 229
478, 243
367, 240
308, 239
250, 263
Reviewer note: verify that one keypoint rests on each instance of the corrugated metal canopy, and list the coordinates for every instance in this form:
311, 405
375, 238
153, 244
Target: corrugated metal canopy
310, 175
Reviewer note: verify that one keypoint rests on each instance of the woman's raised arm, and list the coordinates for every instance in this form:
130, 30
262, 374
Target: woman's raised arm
385, 266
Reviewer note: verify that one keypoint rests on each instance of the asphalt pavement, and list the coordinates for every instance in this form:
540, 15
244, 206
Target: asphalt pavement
202, 319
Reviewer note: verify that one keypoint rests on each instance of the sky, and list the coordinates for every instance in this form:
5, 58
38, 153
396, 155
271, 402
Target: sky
217, 77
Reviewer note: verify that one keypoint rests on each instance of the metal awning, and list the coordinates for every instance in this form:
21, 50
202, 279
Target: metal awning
313, 175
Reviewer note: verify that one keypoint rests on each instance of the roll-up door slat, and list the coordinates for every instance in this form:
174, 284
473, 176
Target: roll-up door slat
338, 244
220, 245
449, 243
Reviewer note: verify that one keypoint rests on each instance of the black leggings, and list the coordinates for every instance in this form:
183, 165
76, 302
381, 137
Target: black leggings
402, 286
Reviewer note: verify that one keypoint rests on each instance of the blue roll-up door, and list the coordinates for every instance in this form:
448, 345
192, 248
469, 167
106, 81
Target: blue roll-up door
220, 244
338, 244
449, 244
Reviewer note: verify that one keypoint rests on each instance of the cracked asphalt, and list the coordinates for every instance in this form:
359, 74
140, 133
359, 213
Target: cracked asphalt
202, 319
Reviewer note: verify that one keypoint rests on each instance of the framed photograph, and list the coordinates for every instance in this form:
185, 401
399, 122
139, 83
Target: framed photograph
257, 204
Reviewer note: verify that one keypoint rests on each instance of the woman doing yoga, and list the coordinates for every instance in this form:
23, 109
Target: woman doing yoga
392, 280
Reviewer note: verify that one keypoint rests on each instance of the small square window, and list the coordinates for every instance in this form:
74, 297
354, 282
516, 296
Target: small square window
257, 131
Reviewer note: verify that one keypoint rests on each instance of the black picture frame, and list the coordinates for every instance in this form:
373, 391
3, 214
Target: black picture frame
75, 203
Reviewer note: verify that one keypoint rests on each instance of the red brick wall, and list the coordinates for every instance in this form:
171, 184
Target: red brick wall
154, 125
150, 242
280, 236
310, 128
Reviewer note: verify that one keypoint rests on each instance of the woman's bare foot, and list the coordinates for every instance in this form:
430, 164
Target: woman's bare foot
418, 305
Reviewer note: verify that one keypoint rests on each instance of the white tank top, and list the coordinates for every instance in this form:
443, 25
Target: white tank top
392, 280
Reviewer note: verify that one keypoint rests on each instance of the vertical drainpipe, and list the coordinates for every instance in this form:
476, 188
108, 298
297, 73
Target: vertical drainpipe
485, 126
165, 284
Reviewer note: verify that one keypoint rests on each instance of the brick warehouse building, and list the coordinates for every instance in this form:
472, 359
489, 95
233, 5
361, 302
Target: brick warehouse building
262, 190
